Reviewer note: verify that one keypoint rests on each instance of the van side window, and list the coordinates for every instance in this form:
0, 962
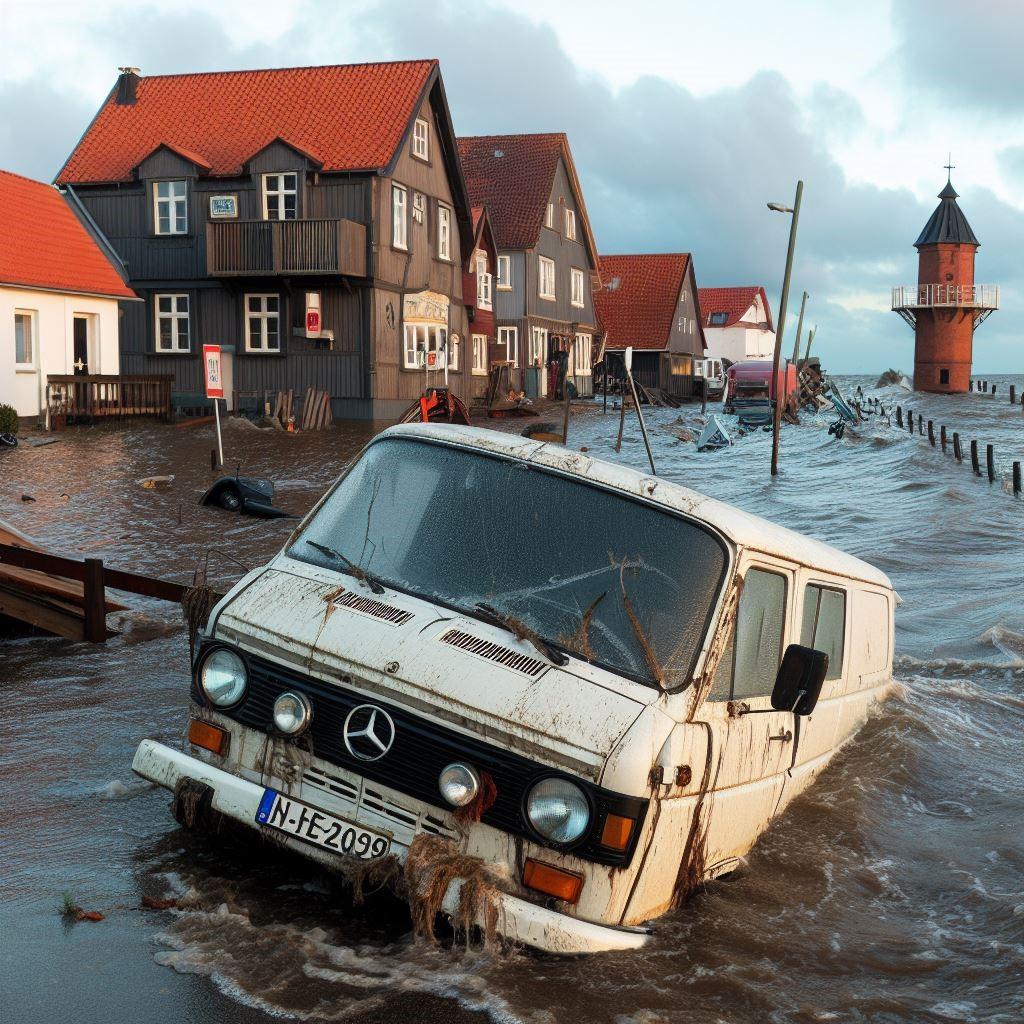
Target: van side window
824, 624
751, 660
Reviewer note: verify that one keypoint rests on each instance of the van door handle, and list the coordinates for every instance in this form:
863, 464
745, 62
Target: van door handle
783, 737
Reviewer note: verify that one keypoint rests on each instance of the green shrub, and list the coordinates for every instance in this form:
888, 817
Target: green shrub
8, 420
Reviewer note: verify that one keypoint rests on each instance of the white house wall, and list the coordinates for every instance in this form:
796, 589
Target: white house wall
53, 344
739, 343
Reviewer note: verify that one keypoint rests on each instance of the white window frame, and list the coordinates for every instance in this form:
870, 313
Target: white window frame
509, 337
175, 204
581, 356
504, 283
433, 335
549, 216
484, 284
453, 351
576, 276
444, 232
33, 340
264, 315
479, 365
538, 350
570, 224
175, 316
544, 265
419, 207
399, 217
421, 139
280, 191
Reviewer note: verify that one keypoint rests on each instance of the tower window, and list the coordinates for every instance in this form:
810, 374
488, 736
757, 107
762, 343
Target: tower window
943, 376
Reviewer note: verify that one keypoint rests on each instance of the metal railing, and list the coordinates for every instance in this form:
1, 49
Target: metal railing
921, 296
257, 247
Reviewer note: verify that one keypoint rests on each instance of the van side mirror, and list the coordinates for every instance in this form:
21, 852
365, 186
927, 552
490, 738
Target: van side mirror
799, 679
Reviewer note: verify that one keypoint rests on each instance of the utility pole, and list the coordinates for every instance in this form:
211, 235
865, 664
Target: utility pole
810, 337
776, 358
799, 329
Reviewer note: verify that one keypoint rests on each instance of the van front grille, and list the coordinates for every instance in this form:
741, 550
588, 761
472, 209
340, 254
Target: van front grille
494, 652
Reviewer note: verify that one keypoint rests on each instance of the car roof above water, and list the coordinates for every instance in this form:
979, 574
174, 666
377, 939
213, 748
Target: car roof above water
743, 528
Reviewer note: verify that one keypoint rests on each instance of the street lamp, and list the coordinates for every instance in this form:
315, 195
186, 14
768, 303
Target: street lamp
781, 326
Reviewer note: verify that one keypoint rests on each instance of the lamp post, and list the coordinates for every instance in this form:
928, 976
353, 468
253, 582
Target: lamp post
794, 211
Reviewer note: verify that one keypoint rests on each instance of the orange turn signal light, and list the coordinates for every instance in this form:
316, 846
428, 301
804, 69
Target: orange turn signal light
616, 832
209, 737
552, 881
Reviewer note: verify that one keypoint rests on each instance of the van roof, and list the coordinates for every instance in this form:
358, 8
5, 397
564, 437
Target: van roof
742, 528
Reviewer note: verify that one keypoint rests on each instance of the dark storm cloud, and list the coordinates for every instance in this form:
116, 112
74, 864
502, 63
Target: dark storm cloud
662, 169
967, 54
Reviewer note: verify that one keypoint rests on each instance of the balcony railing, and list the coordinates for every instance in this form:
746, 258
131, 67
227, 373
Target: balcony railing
919, 296
269, 247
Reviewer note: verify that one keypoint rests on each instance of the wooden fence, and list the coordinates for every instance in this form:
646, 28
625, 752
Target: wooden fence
106, 395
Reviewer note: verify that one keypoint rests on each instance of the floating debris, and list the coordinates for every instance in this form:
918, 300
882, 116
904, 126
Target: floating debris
152, 483
244, 494
713, 436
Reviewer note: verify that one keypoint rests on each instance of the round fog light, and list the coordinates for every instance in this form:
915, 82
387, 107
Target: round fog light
292, 712
459, 784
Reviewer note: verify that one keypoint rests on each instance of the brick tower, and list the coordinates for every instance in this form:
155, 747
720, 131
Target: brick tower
945, 306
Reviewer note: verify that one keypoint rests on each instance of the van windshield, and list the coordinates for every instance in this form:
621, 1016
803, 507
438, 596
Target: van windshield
597, 574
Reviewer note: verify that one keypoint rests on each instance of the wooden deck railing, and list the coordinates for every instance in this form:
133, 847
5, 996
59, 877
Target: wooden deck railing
253, 247
105, 395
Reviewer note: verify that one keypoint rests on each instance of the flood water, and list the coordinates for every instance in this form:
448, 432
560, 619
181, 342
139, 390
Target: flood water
892, 891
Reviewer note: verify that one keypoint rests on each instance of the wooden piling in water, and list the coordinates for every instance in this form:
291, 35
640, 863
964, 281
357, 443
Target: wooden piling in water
1013, 395
1016, 478
958, 452
990, 462
94, 605
910, 420
899, 416
993, 389
942, 438
920, 425
975, 464
931, 433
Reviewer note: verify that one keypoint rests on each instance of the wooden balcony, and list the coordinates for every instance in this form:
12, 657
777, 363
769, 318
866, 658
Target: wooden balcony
265, 248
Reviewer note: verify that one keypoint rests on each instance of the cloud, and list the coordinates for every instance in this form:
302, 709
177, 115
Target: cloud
967, 54
1011, 165
662, 168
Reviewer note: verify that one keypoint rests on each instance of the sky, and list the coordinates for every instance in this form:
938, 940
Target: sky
685, 118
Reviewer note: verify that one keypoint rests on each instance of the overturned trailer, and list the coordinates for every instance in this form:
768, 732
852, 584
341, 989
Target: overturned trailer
597, 721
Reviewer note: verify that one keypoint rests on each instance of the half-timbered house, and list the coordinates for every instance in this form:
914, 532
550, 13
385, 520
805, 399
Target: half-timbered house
547, 259
312, 221
649, 302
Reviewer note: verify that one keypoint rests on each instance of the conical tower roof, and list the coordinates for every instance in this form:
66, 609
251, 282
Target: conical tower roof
947, 223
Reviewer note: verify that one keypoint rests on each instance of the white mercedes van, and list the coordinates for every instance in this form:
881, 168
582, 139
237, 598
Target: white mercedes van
623, 681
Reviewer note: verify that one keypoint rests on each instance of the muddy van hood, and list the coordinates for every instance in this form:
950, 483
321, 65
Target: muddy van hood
476, 677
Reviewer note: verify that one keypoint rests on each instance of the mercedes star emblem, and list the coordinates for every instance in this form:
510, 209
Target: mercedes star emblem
368, 732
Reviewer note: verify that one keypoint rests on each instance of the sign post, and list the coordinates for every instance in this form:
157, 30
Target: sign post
214, 389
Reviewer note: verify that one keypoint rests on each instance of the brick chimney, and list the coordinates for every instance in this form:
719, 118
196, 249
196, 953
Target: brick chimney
127, 84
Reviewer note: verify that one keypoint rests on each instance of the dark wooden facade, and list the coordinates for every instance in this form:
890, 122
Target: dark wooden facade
339, 246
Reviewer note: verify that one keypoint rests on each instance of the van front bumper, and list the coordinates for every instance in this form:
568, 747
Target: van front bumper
518, 920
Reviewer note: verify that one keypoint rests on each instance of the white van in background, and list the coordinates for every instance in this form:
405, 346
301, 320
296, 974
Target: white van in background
712, 370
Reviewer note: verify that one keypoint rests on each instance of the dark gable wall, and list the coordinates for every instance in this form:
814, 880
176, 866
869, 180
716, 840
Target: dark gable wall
687, 339
567, 254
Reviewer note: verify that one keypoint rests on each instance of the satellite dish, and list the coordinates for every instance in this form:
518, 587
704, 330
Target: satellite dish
629, 359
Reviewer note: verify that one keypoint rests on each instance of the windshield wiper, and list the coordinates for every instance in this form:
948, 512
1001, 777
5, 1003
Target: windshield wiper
522, 632
358, 571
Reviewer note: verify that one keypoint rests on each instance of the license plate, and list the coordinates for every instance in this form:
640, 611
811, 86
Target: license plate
292, 816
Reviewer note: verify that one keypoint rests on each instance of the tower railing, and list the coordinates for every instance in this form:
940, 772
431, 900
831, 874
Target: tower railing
922, 296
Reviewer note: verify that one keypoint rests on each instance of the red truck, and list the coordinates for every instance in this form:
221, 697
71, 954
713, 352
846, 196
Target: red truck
749, 384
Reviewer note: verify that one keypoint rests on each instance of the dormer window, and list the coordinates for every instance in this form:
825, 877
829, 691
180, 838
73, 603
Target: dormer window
170, 208
421, 139
280, 196
718, 319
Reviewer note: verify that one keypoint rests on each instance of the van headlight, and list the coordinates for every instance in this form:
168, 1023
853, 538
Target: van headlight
292, 713
558, 810
223, 678
459, 784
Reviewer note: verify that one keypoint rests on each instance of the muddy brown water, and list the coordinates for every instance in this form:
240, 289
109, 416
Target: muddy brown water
892, 891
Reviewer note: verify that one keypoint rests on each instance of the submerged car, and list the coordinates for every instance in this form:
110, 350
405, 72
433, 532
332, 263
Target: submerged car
626, 680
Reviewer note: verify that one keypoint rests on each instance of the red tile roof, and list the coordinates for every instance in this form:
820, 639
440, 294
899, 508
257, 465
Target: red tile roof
44, 245
732, 301
638, 298
515, 186
352, 116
